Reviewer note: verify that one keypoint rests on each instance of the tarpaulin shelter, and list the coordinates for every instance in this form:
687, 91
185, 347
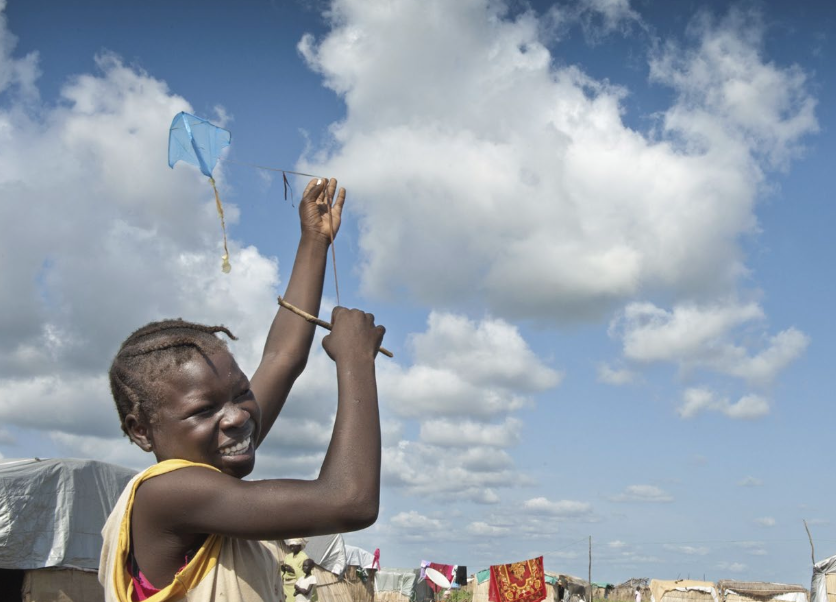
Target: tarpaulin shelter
395, 585
758, 591
823, 587
683, 590
51, 516
336, 577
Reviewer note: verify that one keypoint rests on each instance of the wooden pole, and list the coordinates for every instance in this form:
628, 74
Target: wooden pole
810, 537
590, 568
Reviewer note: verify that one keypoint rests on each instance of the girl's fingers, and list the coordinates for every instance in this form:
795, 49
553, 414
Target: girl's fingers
311, 185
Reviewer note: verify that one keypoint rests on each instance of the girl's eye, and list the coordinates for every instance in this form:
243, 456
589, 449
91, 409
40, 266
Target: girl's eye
204, 411
245, 394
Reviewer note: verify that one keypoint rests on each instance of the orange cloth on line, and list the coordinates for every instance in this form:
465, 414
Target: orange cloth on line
518, 582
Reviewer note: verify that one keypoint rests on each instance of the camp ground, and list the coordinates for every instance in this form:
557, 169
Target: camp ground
52, 512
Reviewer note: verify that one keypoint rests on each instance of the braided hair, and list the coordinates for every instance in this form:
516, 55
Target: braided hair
150, 353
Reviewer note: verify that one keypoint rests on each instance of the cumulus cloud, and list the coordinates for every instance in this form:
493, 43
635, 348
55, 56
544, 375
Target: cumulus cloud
431, 471
729, 95
642, 493
750, 481
465, 368
699, 400
450, 433
101, 247
561, 508
466, 380
765, 521
706, 336
501, 152
482, 529
107, 238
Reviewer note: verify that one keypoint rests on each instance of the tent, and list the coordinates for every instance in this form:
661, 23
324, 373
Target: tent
823, 588
51, 516
395, 585
336, 574
756, 591
683, 590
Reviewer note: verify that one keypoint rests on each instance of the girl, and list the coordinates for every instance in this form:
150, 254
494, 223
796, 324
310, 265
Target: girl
188, 528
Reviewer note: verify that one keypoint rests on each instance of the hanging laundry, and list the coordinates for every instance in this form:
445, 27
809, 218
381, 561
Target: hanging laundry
461, 575
518, 582
444, 569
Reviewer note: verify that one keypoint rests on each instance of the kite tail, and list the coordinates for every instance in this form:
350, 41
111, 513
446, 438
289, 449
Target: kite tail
225, 265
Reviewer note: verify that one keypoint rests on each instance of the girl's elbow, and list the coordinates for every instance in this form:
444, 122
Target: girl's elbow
362, 511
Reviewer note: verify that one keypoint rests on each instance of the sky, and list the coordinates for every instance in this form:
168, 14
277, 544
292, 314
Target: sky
598, 232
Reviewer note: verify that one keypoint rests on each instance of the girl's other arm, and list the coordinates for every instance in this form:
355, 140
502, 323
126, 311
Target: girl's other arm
289, 340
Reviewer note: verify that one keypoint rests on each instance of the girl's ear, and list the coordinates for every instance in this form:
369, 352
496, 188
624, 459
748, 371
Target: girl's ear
139, 433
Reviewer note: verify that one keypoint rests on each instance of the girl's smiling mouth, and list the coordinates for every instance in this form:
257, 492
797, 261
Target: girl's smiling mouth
236, 448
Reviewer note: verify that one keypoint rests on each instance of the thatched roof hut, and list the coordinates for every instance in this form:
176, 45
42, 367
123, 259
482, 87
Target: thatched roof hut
758, 591
348, 587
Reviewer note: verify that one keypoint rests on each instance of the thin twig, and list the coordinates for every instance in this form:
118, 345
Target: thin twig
810, 537
318, 322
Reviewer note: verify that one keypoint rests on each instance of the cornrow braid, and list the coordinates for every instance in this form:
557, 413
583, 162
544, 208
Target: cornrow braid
149, 354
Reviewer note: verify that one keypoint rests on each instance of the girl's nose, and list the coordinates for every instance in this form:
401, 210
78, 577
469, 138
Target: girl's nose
234, 415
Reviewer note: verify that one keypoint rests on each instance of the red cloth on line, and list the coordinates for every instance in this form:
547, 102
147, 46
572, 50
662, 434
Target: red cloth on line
518, 582
444, 569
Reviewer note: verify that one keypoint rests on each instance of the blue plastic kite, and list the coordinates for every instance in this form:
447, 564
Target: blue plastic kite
196, 141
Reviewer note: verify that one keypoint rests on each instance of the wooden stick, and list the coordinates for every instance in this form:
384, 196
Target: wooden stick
810, 537
318, 322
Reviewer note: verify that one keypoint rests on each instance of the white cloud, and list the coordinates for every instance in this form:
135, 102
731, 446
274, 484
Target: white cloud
753, 548
482, 529
615, 376
729, 95
687, 550
436, 472
704, 336
616, 544
413, 521
699, 400
766, 521
642, 493
750, 481
466, 380
106, 239
561, 508
449, 433
500, 153
732, 567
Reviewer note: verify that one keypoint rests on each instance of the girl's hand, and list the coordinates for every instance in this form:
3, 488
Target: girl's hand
313, 210
354, 335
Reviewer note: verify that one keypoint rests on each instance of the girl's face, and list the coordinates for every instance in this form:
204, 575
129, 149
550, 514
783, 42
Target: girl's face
209, 415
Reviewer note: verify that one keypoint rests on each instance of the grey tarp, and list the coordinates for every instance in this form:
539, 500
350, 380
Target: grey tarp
355, 556
396, 580
818, 589
52, 511
328, 551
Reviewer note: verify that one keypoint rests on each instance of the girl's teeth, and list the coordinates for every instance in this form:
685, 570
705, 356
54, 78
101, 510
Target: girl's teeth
236, 448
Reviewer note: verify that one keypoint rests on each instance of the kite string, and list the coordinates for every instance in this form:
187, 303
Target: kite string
333, 252
328, 201
225, 259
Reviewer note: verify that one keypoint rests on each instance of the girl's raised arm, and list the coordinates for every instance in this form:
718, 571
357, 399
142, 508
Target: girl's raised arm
289, 340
